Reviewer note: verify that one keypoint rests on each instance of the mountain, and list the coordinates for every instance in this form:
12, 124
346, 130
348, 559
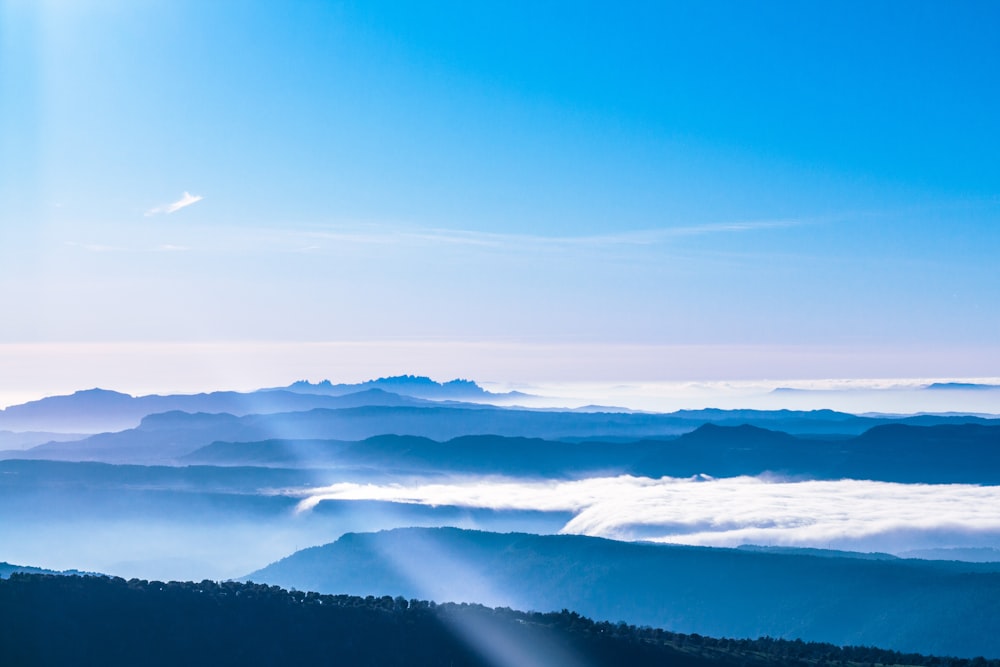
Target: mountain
484, 454
99, 410
89, 411
823, 553
166, 436
407, 385
516, 442
967, 554
925, 606
159, 438
962, 386
826, 423
899, 452
942, 453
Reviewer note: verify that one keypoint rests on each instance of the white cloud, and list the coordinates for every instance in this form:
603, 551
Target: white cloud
724, 512
183, 202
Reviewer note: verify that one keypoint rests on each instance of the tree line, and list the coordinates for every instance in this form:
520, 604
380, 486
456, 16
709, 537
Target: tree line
92, 620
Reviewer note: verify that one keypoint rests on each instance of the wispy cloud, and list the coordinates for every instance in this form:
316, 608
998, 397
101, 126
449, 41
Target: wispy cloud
385, 234
183, 202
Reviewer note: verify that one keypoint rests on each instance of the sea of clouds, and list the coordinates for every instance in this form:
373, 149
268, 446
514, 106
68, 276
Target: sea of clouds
845, 514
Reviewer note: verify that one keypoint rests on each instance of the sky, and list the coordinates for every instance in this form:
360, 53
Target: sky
207, 193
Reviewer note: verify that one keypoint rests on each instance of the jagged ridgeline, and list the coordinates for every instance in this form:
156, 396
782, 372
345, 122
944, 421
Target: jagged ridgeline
73, 620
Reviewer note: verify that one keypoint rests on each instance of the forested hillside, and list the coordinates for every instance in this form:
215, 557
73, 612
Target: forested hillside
60, 620
906, 605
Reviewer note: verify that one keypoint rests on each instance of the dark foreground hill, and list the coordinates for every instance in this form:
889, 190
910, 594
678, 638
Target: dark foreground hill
51, 620
910, 605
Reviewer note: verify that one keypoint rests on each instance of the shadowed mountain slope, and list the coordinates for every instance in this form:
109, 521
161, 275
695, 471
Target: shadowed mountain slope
926, 606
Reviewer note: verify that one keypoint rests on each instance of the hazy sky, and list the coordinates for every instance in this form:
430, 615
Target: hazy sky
814, 175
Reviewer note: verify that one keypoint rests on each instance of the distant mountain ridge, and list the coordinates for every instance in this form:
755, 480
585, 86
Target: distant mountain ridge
903, 454
100, 410
407, 385
893, 452
962, 386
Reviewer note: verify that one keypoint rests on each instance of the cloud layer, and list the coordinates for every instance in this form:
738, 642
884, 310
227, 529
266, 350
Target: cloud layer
849, 514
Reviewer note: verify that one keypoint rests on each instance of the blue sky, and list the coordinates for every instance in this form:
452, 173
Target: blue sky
819, 175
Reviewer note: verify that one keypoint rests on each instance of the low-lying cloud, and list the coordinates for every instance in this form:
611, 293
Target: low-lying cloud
850, 514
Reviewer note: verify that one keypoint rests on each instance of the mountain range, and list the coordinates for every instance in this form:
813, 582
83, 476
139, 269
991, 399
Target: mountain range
98, 411
212, 483
356, 438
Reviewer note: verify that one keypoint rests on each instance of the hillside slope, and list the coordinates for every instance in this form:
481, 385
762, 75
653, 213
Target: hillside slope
908, 605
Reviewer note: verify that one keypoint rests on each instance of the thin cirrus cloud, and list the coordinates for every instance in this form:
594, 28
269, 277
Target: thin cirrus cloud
849, 514
385, 234
340, 237
183, 202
